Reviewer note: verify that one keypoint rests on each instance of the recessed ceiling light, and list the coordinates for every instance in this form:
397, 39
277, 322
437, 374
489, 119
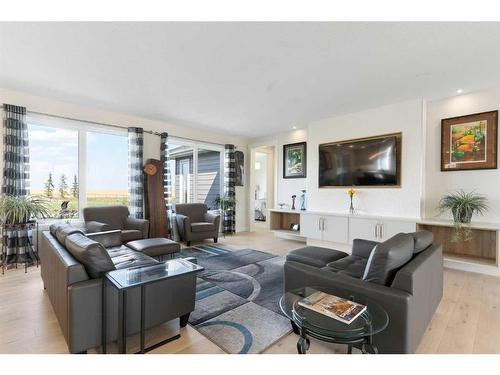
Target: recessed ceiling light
459, 91
294, 127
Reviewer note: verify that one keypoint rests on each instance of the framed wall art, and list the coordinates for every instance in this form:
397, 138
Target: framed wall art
294, 160
469, 142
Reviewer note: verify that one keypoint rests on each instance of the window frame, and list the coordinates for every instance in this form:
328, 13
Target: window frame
82, 128
197, 145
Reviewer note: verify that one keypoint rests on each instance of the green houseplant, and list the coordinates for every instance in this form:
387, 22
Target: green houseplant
225, 204
20, 210
462, 206
17, 215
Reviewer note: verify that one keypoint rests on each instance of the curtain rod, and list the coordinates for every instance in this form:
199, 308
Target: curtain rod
113, 126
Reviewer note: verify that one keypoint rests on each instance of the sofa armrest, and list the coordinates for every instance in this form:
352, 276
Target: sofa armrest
96, 226
214, 219
363, 248
141, 225
84, 315
183, 225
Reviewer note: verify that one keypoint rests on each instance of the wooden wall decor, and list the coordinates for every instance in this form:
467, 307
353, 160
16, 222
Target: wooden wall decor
469, 142
156, 211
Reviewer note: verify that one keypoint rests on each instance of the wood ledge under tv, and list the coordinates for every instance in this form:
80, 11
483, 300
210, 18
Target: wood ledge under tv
316, 228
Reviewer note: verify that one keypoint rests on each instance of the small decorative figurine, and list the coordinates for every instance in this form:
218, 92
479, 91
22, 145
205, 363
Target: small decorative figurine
303, 200
293, 201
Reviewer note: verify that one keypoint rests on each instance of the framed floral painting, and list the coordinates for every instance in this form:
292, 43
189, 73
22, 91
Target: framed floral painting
294, 160
469, 142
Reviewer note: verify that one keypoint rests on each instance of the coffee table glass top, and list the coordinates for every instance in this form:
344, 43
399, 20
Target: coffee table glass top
129, 277
372, 321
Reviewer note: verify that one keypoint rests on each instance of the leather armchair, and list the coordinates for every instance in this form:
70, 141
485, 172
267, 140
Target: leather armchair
194, 222
106, 218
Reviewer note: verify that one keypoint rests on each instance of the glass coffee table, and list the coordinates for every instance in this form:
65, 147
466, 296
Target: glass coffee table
308, 323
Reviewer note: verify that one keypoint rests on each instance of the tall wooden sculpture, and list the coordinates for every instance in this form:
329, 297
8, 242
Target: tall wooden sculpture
156, 210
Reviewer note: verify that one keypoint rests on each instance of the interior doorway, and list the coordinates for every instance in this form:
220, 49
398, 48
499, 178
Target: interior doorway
262, 184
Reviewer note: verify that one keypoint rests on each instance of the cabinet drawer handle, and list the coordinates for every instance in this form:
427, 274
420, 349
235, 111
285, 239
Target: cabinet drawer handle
376, 227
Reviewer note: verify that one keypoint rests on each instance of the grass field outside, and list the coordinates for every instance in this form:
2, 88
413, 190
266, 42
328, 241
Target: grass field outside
94, 198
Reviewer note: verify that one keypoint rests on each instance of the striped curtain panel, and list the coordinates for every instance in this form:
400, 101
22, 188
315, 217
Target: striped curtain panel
17, 238
135, 174
16, 152
229, 187
167, 182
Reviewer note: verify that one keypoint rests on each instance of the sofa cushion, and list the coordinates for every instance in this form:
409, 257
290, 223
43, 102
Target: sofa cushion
351, 265
131, 235
387, 257
63, 231
202, 227
315, 256
422, 240
91, 254
123, 257
155, 246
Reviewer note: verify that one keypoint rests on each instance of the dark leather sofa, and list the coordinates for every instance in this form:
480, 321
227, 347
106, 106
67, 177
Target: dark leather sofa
106, 218
403, 274
72, 265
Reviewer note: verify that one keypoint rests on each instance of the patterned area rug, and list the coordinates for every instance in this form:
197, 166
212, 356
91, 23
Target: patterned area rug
237, 298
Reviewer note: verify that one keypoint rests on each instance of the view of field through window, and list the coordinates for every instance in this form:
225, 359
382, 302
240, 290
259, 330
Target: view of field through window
54, 164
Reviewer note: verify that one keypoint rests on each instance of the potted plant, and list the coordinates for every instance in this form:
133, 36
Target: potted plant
20, 210
226, 204
462, 206
17, 215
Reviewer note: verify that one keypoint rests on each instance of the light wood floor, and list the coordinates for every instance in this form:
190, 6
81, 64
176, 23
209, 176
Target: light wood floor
467, 320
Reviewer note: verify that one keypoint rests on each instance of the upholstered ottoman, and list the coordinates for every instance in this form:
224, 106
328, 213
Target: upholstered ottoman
155, 247
315, 256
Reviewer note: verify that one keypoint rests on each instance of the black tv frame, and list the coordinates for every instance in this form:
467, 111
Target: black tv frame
399, 137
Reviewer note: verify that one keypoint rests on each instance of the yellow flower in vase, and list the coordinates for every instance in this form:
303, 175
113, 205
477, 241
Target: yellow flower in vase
351, 192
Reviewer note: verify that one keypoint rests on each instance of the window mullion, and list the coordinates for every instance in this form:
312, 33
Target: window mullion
82, 171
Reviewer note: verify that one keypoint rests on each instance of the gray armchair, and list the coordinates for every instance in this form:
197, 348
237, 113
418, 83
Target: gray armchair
194, 222
106, 218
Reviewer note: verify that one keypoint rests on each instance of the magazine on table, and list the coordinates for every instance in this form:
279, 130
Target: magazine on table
334, 307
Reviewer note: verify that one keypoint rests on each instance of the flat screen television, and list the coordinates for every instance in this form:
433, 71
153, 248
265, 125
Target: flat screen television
371, 161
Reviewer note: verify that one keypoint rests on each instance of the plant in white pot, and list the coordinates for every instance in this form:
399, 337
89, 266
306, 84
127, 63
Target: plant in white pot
463, 205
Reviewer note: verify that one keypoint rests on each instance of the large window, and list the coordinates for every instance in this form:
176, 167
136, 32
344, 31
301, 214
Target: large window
196, 172
75, 165
107, 169
54, 168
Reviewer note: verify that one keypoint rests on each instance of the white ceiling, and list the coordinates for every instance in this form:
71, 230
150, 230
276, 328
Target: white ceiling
247, 79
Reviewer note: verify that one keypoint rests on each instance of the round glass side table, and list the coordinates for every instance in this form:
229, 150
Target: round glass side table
308, 323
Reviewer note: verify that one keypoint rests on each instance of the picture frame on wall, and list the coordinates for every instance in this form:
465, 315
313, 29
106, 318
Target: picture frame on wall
469, 142
294, 160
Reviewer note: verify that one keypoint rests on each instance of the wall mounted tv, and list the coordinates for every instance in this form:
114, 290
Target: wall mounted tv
374, 161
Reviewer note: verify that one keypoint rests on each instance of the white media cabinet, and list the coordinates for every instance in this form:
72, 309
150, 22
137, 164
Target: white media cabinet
338, 230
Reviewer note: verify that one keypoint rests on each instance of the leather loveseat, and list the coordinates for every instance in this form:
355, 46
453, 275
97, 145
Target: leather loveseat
403, 274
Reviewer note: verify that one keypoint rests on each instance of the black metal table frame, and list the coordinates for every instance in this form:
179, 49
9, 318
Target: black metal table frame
122, 316
365, 342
